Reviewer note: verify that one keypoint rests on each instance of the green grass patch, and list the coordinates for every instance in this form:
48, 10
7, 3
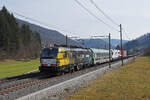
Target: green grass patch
17, 67
131, 82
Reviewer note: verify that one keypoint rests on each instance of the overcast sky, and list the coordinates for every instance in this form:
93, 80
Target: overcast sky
69, 18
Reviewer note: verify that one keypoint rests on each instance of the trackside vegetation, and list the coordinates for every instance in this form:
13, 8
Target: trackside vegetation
17, 67
131, 82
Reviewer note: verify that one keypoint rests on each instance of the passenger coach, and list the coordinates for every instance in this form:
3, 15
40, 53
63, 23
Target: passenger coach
100, 56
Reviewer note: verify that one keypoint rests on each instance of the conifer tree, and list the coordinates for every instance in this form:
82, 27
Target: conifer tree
15, 39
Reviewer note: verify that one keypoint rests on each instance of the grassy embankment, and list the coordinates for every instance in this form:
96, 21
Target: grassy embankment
17, 67
131, 82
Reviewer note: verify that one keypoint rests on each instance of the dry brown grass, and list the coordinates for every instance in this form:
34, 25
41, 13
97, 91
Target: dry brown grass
131, 82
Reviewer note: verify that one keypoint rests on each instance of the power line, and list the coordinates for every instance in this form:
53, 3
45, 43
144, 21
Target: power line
95, 15
37, 21
99, 9
54, 26
109, 18
40, 22
126, 34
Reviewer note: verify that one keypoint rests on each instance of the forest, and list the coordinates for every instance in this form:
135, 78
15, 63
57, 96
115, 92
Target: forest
17, 41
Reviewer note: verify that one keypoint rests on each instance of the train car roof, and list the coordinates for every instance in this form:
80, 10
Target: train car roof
114, 50
99, 50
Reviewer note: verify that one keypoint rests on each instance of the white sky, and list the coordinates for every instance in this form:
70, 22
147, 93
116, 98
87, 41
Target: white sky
67, 15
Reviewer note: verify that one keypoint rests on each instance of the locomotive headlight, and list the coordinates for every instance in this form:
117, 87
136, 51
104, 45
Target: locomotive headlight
44, 61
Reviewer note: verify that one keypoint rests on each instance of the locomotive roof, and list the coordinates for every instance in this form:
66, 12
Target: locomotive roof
61, 49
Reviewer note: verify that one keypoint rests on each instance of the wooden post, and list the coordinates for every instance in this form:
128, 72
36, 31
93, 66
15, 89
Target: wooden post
121, 50
109, 51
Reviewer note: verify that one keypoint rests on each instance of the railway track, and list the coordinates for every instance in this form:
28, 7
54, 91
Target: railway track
26, 84
38, 80
19, 77
20, 82
17, 85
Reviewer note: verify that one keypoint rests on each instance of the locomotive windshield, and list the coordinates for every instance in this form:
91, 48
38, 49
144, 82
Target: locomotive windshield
49, 53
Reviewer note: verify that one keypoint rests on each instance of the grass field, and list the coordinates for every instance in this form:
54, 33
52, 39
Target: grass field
131, 82
17, 67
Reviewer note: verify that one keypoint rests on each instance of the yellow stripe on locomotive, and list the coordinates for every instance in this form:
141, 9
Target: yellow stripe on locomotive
63, 57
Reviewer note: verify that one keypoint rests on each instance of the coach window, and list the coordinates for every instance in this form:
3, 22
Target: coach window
99, 55
87, 56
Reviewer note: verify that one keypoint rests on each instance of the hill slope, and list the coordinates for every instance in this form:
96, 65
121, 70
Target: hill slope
115, 42
52, 36
139, 43
95, 43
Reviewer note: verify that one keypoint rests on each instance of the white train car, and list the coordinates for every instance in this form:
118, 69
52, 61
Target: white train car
116, 54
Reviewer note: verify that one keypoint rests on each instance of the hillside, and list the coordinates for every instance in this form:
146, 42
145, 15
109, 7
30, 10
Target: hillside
55, 37
95, 43
17, 41
48, 35
101, 43
140, 43
115, 42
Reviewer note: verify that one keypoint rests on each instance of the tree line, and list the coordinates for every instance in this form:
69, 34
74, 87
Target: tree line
17, 41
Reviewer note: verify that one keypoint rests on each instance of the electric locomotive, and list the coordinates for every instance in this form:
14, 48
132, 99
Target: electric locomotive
61, 59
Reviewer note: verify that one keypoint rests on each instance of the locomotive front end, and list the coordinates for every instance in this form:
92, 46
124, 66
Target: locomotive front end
48, 60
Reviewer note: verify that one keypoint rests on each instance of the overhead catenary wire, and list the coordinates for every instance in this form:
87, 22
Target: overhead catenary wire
109, 18
34, 20
126, 34
92, 14
63, 30
99, 9
41, 23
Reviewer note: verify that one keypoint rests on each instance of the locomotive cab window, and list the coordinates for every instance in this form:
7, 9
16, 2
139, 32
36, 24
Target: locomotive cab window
49, 53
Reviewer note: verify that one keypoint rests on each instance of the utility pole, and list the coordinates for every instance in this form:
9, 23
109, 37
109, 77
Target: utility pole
121, 50
66, 41
127, 50
83, 43
109, 51
108, 36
